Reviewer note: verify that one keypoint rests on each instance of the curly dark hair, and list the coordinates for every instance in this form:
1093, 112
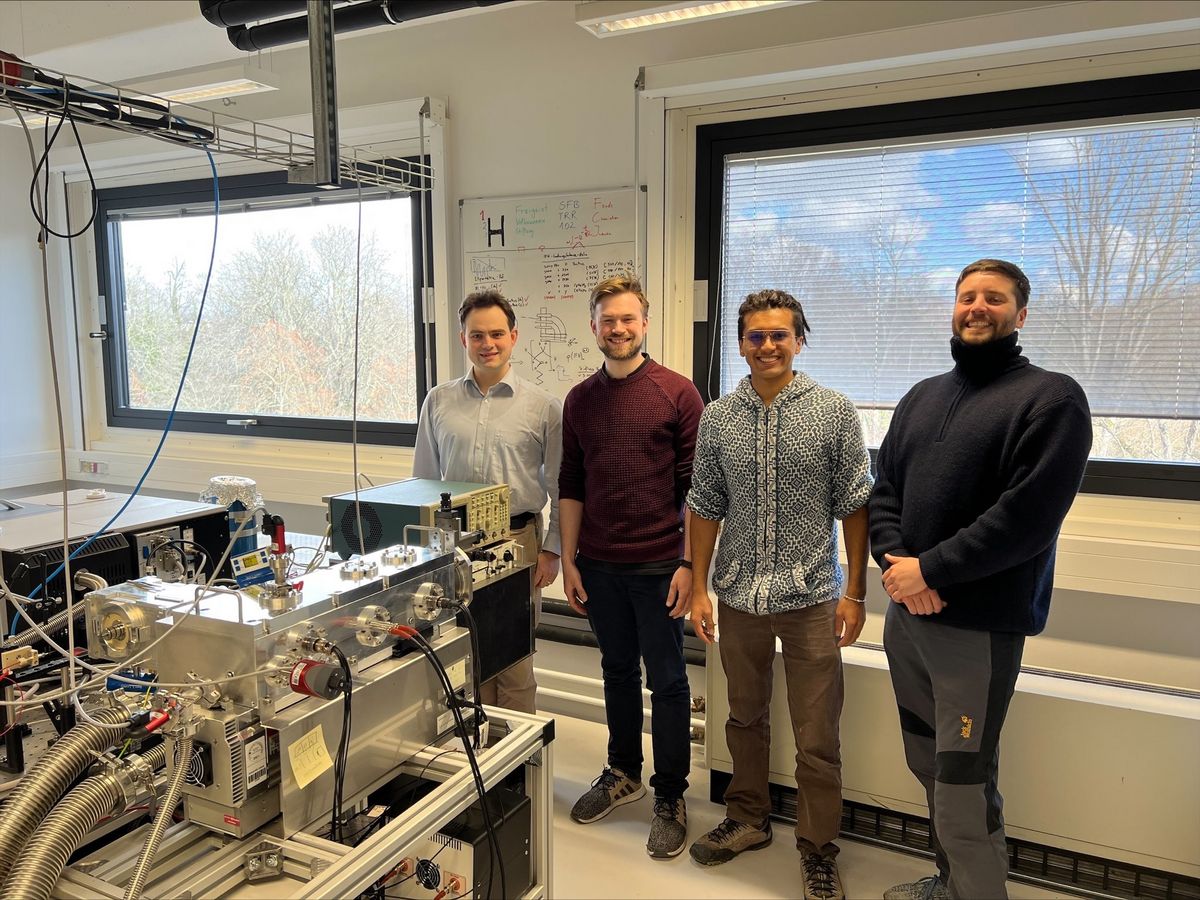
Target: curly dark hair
771, 298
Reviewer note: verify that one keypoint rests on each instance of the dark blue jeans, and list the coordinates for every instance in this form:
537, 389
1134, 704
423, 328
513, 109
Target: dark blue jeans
629, 617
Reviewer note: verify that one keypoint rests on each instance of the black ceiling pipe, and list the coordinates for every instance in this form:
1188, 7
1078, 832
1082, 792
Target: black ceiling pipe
355, 17
238, 12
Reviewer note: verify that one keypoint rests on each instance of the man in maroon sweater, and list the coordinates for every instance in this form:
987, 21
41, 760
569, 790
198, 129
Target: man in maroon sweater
629, 433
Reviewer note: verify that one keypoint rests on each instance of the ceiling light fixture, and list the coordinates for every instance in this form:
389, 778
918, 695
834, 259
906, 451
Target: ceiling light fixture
200, 85
604, 18
206, 83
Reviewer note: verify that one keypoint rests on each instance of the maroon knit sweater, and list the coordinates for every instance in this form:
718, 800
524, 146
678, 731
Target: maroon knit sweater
627, 456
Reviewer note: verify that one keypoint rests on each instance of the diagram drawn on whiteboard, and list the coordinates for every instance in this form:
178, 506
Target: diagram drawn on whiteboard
545, 254
487, 267
552, 350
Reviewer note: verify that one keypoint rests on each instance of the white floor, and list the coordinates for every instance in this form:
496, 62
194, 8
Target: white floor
607, 859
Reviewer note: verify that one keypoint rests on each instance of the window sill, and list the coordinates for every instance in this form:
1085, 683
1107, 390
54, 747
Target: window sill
289, 471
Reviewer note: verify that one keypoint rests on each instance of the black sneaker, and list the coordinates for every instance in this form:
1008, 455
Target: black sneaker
668, 828
821, 878
612, 789
729, 839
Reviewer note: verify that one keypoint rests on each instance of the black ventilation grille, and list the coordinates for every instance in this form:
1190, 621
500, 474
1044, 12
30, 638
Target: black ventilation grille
102, 544
1078, 873
371, 523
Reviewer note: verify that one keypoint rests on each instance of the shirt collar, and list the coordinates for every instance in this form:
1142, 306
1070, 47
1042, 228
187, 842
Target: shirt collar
510, 380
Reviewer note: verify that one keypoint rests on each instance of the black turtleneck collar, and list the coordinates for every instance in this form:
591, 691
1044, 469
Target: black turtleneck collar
983, 362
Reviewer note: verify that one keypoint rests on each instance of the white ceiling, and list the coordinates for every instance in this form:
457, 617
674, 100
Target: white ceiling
125, 40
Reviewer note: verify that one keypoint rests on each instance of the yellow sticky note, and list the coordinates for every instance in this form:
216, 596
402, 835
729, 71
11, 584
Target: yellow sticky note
309, 757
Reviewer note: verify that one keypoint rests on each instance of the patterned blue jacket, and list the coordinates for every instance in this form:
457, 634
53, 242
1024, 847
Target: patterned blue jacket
779, 476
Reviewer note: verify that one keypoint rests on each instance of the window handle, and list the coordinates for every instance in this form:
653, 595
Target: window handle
98, 335
242, 422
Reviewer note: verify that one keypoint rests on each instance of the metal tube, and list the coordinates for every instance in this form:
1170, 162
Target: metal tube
355, 17
59, 620
324, 94
183, 753
238, 12
48, 780
65, 829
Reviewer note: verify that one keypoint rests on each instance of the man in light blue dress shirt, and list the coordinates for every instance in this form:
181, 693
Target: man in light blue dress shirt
492, 426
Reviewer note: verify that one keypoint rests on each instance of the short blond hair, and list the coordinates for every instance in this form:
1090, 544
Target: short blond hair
618, 284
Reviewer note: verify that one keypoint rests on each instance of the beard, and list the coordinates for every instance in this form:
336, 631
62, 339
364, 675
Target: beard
632, 349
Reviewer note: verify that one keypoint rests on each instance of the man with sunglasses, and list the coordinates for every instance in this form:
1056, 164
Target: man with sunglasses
974, 477
778, 460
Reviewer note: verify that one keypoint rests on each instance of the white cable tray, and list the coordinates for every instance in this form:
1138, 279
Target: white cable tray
45, 93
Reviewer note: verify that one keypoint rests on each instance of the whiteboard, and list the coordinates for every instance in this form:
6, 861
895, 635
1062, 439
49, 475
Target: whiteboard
545, 254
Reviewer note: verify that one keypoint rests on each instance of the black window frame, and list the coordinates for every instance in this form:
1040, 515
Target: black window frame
234, 189
1027, 107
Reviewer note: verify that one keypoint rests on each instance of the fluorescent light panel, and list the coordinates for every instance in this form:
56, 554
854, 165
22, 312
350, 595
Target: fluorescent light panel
606, 19
188, 86
206, 83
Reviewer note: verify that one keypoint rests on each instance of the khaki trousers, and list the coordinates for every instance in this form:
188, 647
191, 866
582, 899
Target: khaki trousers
515, 688
812, 666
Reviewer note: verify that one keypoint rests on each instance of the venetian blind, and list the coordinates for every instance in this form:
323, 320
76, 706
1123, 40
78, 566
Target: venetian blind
1105, 221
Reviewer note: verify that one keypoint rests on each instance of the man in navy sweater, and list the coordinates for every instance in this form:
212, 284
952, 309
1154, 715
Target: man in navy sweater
629, 434
974, 478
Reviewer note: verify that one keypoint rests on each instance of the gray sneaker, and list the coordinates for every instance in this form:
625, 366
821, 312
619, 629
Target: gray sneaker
821, 878
729, 839
931, 888
612, 789
668, 828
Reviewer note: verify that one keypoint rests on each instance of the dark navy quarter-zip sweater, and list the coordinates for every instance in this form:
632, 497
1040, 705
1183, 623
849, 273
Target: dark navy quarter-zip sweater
975, 475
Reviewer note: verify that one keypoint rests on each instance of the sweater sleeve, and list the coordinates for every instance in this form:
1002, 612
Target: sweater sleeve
571, 474
690, 407
885, 498
1047, 468
709, 494
851, 465
551, 469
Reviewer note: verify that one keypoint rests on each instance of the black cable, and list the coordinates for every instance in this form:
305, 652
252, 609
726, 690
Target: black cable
339, 765
480, 788
359, 836
473, 631
412, 795
48, 142
45, 575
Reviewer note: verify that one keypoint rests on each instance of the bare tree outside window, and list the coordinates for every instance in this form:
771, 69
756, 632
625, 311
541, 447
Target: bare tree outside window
277, 338
1105, 219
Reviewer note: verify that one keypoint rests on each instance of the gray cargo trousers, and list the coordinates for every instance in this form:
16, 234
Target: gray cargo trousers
953, 686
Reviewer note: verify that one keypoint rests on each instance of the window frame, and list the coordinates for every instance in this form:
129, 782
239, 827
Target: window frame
235, 188
1065, 103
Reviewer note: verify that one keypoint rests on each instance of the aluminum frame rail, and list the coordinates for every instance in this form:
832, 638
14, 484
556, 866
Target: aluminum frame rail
40, 92
205, 864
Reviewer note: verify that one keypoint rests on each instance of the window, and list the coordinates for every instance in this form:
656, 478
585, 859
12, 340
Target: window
867, 217
274, 355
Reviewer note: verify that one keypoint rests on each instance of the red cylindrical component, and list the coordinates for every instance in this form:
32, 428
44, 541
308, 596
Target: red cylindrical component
280, 538
158, 720
317, 679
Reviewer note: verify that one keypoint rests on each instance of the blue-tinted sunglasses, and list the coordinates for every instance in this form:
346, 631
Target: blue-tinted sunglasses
758, 338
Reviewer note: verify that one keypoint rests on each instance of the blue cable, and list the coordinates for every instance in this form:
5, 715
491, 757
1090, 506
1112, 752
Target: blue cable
175, 405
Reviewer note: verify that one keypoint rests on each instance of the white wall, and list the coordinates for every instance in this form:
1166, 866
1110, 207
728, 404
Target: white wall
26, 398
538, 105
